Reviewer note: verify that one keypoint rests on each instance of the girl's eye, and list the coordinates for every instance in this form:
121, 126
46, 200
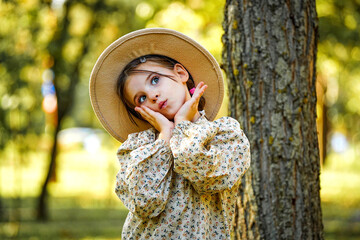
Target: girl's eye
142, 99
154, 80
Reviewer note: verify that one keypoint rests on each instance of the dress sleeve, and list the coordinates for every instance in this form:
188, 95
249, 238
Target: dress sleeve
211, 155
143, 182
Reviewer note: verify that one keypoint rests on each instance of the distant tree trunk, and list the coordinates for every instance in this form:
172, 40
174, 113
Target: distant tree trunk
42, 212
63, 69
65, 99
270, 56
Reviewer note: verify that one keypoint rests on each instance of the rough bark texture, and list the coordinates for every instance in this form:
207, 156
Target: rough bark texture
269, 57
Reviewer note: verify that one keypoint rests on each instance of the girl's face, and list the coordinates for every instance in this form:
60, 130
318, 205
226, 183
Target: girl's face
156, 91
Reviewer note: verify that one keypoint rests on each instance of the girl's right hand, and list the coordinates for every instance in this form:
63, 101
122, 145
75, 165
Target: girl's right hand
158, 121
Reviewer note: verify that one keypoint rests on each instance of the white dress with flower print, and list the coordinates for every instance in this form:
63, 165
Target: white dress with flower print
186, 189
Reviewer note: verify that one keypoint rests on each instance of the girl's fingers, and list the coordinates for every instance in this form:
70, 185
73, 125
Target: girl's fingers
149, 115
199, 91
156, 119
145, 113
200, 88
147, 110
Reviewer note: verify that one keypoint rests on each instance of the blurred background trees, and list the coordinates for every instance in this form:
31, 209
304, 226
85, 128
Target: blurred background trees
338, 71
77, 35
47, 50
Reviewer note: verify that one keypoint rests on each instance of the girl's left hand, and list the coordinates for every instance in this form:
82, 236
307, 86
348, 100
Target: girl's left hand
189, 111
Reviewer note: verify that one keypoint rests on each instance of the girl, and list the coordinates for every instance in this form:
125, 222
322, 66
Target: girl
179, 175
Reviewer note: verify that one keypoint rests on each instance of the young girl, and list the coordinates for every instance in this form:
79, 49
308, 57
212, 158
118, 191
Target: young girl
179, 175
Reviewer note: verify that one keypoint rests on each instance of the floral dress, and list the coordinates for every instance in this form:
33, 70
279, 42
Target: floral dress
186, 189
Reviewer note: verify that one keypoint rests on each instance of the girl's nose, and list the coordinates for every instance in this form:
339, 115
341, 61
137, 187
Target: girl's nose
154, 97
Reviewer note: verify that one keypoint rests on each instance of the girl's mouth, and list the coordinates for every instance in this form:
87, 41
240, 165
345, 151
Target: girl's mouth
162, 104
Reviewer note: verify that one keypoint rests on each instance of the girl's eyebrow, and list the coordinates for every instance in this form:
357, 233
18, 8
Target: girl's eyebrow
148, 71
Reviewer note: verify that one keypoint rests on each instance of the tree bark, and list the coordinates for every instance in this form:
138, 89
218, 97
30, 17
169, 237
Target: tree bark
269, 57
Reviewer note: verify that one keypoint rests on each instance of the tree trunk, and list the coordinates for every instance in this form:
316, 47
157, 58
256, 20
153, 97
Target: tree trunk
269, 57
42, 211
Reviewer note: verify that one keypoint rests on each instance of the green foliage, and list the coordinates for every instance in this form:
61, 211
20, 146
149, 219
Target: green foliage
67, 38
70, 220
198, 19
19, 72
338, 63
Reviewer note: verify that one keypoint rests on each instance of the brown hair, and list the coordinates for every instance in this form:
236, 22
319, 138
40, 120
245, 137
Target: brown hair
130, 68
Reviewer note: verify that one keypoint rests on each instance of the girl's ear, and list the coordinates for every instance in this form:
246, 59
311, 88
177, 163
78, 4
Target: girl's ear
181, 72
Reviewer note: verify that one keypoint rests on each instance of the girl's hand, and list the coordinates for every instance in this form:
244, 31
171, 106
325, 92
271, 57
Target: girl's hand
158, 121
189, 111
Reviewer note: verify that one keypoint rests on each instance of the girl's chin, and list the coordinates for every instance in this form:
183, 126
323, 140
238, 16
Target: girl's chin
170, 118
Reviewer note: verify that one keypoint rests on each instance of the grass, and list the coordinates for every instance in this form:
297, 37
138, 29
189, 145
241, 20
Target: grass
340, 196
341, 223
83, 204
67, 221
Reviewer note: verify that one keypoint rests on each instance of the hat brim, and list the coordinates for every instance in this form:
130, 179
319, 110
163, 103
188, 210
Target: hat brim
196, 59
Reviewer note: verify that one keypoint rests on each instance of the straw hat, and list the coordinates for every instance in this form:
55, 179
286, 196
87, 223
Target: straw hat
195, 58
